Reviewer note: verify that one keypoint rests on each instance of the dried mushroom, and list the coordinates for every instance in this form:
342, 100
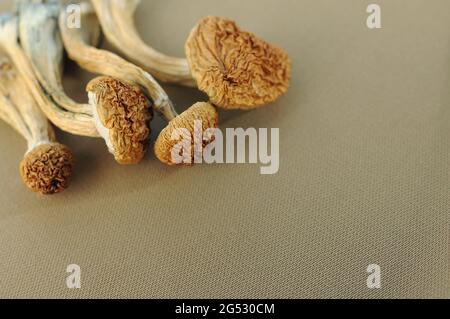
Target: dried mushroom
122, 118
112, 66
235, 68
203, 112
74, 122
47, 166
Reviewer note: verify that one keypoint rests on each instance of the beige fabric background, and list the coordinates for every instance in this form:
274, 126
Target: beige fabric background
364, 178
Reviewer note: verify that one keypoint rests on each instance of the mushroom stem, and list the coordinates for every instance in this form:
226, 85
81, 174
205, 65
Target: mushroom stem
10, 115
75, 123
205, 113
23, 114
117, 20
109, 64
41, 41
47, 165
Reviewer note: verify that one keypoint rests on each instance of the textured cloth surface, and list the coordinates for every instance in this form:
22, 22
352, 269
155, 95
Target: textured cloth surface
364, 176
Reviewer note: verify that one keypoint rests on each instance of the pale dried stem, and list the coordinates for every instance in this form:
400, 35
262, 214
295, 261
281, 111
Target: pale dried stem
10, 114
234, 68
22, 112
41, 41
75, 123
109, 64
117, 20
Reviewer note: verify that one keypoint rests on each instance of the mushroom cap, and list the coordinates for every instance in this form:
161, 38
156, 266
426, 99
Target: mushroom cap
47, 168
204, 112
235, 68
125, 112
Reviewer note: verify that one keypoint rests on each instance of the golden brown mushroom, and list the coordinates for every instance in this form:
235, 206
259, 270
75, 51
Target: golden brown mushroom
117, 21
202, 112
235, 68
111, 65
122, 118
47, 166
79, 123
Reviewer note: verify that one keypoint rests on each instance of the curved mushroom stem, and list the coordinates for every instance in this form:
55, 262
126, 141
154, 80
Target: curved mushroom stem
116, 18
15, 89
75, 123
109, 64
41, 41
10, 115
47, 165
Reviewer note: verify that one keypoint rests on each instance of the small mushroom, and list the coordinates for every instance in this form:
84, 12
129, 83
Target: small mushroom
47, 165
122, 118
80, 123
202, 112
235, 68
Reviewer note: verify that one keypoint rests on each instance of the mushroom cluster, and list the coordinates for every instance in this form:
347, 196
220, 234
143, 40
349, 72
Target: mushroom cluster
236, 69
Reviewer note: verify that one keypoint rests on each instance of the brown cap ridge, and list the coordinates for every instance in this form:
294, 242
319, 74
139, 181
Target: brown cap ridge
125, 111
47, 168
235, 68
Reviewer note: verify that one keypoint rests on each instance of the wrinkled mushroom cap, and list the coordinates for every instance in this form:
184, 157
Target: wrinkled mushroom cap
204, 112
235, 68
47, 168
125, 114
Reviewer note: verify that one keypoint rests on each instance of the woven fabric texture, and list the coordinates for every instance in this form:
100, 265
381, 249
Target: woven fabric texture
364, 173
